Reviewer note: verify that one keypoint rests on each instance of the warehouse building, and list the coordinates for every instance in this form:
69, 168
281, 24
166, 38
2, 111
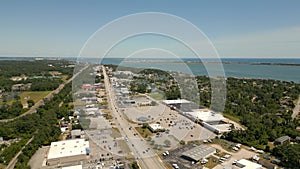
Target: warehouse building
198, 153
68, 151
246, 164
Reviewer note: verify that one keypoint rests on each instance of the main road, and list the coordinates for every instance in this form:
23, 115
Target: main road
145, 156
296, 109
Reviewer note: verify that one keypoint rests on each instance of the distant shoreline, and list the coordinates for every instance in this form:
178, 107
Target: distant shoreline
251, 61
276, 69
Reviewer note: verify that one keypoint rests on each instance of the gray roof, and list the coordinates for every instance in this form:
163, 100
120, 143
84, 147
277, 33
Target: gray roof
76, 132
282, 139
143, 119
199, 152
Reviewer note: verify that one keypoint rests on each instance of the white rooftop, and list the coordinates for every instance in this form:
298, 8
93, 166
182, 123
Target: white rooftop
68, 148
206, 115
156, 126
248, 164
178, 101
73, 167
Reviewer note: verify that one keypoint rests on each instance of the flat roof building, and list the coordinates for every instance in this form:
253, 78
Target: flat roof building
246, 164
156, 127
76, 133
198, 153
178, 101
206, 115
68, 151
73, 167
282, 140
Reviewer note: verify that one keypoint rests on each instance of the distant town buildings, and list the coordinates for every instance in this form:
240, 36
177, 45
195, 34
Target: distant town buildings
21, 87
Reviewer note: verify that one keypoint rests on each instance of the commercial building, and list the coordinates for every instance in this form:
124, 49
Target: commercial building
156, 127
174, 102
181, 105
214, 122
206, 115
246, 164
142, 101
73, 167
76, 134
68, 151
198, 153
267, 164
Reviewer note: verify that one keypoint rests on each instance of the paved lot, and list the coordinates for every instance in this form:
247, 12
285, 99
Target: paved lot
151, 112
242, 153
38, 159
105, 140
180, 128
99, 123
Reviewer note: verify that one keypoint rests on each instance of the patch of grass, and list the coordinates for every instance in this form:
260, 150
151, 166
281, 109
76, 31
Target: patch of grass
212, 162
235, 119
35, 96
64, 78
144, 132
157, 96
226, 145
124, 147
78, 102
2, 166
115, 133
271, 145
169, 166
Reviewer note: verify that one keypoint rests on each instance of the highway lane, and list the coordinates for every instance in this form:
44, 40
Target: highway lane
146, 157
296, 109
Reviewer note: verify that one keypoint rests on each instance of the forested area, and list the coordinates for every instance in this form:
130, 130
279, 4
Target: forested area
9, 111
41, 125
264, 107
37, 73
290, 155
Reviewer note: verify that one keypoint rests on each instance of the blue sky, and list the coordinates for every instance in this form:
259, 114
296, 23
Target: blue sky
269, 28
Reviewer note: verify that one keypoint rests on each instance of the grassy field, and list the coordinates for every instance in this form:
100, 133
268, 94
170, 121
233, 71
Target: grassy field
144, 132
35, 96
212, 162
64, 78
235, 119
157, 96
124, 147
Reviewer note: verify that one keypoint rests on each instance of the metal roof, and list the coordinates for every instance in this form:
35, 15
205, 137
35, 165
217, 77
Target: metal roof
199, 152
282, 139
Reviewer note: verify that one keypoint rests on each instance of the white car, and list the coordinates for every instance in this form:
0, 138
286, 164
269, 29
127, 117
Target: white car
175, 165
